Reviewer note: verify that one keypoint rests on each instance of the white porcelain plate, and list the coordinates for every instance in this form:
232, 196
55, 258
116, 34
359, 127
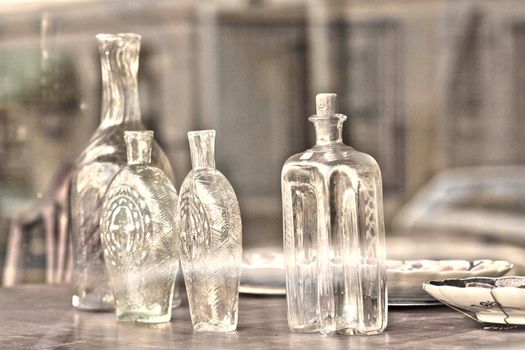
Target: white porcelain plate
263, 273
487, 300
405, 278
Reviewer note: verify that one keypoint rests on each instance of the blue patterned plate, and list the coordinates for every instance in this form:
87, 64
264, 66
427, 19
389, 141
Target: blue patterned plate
486, 300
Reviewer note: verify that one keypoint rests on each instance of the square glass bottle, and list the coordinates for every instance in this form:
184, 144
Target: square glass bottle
334, 238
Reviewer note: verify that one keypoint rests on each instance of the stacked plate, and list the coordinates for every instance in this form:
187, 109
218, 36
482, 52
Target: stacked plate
263, 273
405, 278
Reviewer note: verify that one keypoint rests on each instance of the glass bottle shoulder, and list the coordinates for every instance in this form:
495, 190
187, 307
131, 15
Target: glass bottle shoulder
148, 180
107, 144
205, 177
329, 156
210, 186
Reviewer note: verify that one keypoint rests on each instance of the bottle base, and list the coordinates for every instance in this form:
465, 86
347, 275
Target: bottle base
304, 329
353, 331
313, 328
214, 328
141, 317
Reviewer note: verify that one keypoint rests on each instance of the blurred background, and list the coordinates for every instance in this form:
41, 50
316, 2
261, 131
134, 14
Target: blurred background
433, 90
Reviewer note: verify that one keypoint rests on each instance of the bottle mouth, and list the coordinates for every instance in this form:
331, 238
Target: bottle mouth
119, 37
334, 118
138, 146
202, 133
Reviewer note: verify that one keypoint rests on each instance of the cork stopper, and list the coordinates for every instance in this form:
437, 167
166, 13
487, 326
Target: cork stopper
326, 104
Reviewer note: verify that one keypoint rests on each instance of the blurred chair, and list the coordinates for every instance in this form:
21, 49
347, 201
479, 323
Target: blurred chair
51, 212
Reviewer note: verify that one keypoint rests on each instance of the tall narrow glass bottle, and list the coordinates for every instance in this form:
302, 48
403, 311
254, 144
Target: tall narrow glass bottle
211, 239
334, 242
101, 160
140, 236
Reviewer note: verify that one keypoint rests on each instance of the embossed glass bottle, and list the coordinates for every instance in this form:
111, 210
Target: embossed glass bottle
211, 236
140, 236
334, 243
101, 160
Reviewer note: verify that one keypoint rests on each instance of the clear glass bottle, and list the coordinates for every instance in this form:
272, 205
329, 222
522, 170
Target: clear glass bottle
140, 236
211, 239
104, 156
334, 241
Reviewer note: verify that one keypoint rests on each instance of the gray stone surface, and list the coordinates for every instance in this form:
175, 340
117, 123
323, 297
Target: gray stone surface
40, 317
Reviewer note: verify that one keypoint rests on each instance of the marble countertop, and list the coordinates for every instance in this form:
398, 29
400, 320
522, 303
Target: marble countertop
40, 317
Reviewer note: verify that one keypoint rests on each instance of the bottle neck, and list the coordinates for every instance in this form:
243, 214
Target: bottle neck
328, 129
119, 55
138, 147
202, 148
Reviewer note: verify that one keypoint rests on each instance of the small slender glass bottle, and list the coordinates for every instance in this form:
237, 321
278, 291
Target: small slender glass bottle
140, 236
334, 242
101, 160
211, 239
